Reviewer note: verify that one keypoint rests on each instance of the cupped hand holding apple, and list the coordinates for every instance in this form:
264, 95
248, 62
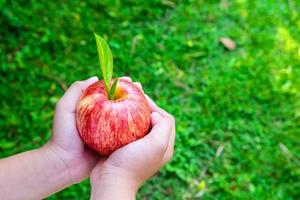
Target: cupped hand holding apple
126, 168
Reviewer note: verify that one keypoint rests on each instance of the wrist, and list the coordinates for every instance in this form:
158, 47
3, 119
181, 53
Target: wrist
57, 162
66, 163
77, 163
112, 183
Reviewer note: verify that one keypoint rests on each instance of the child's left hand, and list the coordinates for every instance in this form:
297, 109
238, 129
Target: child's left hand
65, 142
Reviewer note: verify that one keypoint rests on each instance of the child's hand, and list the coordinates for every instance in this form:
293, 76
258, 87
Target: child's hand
66, 143
121, 175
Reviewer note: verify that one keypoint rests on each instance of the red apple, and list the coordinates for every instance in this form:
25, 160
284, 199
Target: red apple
106, 125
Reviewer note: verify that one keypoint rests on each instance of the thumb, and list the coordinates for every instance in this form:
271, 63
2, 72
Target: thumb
159, 135
69, 100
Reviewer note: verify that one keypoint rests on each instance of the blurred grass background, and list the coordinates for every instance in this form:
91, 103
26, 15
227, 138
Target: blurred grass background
237, 112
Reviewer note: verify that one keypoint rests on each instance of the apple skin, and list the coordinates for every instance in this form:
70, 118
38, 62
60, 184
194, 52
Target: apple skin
106, 125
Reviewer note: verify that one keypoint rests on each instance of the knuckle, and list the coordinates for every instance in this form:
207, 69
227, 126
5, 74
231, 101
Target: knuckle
127, 78
138, 84
76, 84
172, 118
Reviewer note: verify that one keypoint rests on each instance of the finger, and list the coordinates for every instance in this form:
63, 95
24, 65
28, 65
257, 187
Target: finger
126, 78
155, 108
152, 105
155, 118
69, 100
139, 85
159, 135
170, 149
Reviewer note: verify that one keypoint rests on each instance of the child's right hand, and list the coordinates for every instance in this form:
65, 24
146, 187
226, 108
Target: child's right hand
125, 170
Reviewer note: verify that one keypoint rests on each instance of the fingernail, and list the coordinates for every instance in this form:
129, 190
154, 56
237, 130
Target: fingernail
127, 78
139, 85
93, 78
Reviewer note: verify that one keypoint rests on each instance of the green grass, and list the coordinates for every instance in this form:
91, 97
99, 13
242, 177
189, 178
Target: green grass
246, 101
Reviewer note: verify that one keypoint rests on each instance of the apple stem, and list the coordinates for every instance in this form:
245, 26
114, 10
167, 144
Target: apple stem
111, 93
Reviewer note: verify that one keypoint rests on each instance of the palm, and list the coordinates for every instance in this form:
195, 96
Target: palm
125, 155
65, 135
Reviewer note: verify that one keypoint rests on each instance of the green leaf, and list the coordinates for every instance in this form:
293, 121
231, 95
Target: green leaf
106, 60
113, 89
